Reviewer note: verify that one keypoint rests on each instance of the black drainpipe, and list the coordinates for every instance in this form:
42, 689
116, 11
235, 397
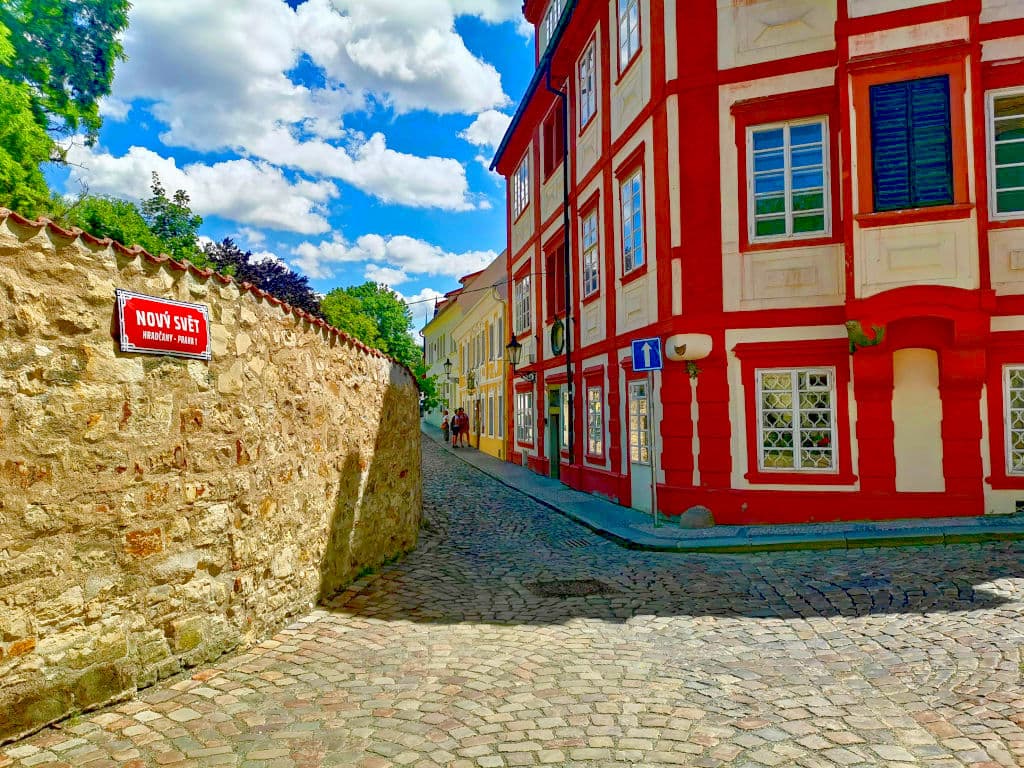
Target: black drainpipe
567, 262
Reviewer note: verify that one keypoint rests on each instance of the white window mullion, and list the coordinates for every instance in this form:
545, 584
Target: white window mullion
787, 164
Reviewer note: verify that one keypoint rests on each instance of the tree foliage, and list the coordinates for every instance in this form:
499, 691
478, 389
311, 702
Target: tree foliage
119, 220
64, 51
375, 315
172, 221
269, 275
24, 144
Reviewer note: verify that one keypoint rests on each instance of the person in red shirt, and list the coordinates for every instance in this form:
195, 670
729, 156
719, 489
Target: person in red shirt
463, 419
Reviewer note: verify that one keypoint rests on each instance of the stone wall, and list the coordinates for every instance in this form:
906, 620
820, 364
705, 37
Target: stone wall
156, 511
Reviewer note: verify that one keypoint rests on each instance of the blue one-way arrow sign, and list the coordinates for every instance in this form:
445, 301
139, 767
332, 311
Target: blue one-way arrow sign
647, 354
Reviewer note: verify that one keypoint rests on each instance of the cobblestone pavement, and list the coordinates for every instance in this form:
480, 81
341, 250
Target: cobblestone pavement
464, 655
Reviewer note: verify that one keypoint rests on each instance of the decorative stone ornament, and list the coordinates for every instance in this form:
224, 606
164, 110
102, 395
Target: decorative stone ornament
557, 337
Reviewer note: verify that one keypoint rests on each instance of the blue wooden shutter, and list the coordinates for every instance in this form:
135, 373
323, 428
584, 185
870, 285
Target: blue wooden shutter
890, 146
911, 152
931, 141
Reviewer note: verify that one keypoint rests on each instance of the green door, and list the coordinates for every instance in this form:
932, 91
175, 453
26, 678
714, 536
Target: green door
554, 431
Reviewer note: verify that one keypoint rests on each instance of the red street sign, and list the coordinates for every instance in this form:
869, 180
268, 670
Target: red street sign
163, 326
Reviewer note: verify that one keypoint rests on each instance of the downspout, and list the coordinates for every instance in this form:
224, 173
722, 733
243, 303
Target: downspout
567, 261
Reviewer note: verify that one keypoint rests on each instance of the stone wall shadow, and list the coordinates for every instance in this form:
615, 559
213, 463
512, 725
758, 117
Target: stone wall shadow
378, 503
489, 553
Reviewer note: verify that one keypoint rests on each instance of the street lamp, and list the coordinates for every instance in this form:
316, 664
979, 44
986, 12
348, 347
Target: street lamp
447, 368
515, 354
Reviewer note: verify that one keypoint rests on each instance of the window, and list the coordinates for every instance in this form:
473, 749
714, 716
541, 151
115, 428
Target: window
490, 414
521, 188
523, 317
490, 341
554, 281
591, 257
499, 351
1014, 399
566, 416
796, 419
524, 417
911, 144
595, 422
587, 72
632, 200
551, 19
639, 424
1006, 136
629, 31
789, 179
554, 141
501, 415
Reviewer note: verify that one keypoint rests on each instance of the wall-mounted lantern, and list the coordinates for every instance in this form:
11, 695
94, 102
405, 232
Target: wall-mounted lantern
515, 354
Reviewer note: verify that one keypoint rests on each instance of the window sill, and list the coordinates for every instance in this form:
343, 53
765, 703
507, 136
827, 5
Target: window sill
518, 216
801, 478
551, 172
1002, 481
915, 215
591, 298
590, 122
778, 245
595, 458
636, 273
1007, 222
521, 444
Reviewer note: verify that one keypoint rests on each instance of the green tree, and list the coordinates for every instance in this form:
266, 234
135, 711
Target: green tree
119, 220
375, 315
171, 220
65, 52
345, 312
24, 144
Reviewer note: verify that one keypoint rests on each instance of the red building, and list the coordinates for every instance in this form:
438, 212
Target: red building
778, 182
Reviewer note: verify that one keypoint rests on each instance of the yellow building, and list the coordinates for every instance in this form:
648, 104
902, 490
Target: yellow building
439, 347
479, 337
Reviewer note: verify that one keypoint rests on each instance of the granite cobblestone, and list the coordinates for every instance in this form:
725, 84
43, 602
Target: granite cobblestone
858, 658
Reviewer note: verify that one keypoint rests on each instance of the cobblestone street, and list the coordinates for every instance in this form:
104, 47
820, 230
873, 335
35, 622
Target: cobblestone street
469, 653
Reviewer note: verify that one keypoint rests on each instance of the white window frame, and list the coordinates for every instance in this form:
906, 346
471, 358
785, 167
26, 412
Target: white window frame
490, 414
636, 203
524, 417
633, 41
990, 143
787, 148
595, 421
1007, 419
590, 240
587, 79
563, 407
551, 18
830, 371
640, 453
501, 415
521, 188
522, 301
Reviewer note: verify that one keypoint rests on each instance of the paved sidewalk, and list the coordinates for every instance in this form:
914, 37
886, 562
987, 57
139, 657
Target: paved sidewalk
636, 530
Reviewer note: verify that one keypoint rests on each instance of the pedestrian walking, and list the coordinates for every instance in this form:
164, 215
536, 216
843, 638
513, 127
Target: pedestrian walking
463, 427
444, 425
453, 426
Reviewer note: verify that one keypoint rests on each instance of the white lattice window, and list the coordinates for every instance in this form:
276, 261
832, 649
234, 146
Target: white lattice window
632, 202
591, 257
588, 95
1014, 398
521, 302
521, 188
524, 417
595, 421
629, 31
796, 419
639, 423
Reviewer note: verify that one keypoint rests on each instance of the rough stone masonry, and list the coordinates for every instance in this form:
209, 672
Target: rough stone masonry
158, 511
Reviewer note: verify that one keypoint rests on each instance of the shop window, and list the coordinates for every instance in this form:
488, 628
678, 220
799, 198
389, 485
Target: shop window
595, 422
524, 417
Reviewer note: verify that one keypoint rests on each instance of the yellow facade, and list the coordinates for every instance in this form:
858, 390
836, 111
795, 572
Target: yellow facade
479, 337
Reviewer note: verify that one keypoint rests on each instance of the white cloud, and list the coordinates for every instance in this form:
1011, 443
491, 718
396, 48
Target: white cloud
399, 252
114, 109
386, 275
488, 129
249, 236
216, 75
240, 190
264, 256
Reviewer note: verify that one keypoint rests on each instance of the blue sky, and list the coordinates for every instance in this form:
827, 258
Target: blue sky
348, 138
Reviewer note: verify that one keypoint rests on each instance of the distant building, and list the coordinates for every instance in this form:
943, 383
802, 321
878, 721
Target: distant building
479, 338
772, 179
438, 347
